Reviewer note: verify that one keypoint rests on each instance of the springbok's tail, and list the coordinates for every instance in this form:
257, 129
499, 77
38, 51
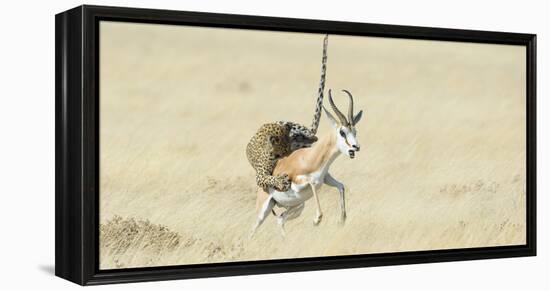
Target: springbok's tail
319, 106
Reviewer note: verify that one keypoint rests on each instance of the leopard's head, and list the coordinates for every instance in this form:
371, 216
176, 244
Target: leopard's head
278, 143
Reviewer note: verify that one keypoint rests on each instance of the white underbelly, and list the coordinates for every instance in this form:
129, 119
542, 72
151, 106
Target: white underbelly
298, 193
291, 198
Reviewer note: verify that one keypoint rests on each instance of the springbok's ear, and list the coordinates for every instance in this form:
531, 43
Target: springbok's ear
331, 119
357, 117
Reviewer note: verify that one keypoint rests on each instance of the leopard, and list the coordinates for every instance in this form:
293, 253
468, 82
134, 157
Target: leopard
276, 140
272, 142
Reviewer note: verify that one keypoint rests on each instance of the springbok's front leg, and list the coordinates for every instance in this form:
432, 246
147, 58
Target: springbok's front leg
319, 213
329, 180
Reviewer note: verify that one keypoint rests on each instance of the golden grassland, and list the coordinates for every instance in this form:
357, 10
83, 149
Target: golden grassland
442, 160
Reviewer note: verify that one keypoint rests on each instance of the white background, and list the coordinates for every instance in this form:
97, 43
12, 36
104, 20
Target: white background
27, 147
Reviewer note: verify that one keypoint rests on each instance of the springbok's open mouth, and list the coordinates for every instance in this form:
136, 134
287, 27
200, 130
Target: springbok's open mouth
351, 154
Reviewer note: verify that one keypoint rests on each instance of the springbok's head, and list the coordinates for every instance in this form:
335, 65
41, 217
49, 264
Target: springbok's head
346, 140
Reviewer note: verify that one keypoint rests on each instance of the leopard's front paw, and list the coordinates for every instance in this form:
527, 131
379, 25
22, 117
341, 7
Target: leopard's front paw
282, 183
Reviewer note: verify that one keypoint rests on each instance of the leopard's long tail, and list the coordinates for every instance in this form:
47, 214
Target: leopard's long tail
319, 105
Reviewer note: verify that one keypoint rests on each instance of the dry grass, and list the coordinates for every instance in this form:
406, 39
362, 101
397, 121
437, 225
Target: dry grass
120, 238
442, 161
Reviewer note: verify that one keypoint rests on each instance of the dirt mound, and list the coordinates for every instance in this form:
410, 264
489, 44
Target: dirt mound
119, 236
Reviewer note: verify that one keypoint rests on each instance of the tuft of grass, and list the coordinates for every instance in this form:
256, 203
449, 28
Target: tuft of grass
119, 236
469, 188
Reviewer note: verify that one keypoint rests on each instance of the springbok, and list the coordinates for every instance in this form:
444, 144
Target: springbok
308, 169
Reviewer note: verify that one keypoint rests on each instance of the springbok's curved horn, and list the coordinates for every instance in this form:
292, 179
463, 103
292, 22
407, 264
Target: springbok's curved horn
350, 108
341, 116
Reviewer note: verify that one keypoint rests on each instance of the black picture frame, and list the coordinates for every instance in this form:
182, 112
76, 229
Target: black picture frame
77, 144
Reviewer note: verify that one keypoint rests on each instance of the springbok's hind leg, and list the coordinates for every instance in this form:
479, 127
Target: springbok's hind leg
289, 214
261, 197
263, 213
329, 180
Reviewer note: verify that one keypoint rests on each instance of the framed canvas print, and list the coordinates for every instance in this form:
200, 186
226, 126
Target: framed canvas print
198, 144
